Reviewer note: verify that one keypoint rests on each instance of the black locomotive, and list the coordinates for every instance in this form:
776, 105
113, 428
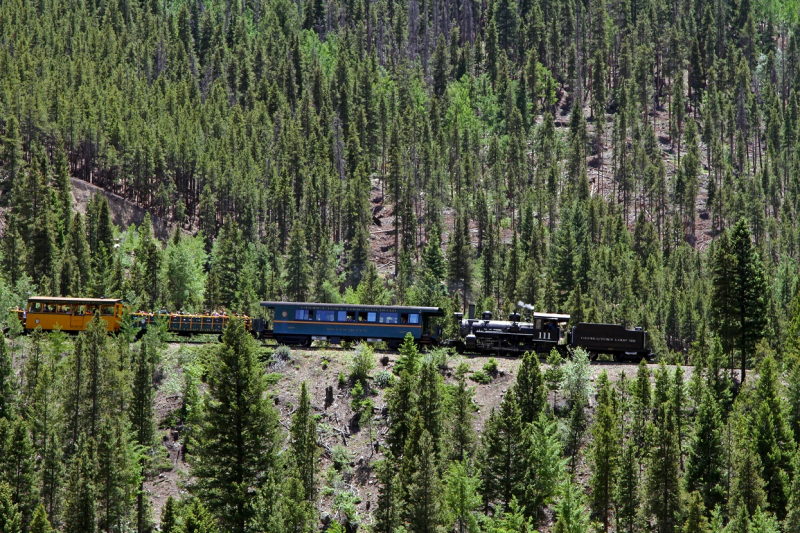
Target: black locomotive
541, 332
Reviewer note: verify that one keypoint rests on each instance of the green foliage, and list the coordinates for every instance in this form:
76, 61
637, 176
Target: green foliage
362, 362
238, 442
409, 360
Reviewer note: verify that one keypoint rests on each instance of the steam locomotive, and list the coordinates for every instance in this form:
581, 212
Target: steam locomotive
541, 332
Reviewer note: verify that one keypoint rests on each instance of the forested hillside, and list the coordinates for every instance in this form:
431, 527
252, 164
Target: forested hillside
631, 161
572, 155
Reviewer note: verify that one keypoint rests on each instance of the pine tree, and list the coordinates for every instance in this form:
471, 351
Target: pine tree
605, 452
544, 465
462, 433
501, 457
387, 512
304, 443
401, 401
462, 498
239, 440
10, 517
7, 382
297, 268
747, 492
147, 265
663, 482
40, 523
19, 462
169, 517
423, 506
197, 519
229, 254
705, 467
530, 389
627, 494
695, 520
570, 510
81, 511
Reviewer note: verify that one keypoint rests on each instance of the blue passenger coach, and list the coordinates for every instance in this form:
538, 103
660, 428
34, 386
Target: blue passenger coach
300, 323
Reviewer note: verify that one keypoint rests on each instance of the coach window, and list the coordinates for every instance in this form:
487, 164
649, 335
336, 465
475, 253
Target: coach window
35, 307
64, 309
107, 310
372, 317
79, 310
303, 314
90, 309
324, 316
388, 318
412, 318
341, 316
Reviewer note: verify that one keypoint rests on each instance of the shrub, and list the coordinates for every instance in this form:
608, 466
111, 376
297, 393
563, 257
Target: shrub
282, 353
342, 457
481, 377
383, 379
272, 378
491, 367
363, 362
342, 380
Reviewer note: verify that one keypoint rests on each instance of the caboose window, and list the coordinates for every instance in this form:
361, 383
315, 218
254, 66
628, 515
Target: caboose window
324, 316
388, 318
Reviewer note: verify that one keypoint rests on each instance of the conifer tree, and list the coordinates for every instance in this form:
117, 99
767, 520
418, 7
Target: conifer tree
81, 511
695, 517
462, 433
544, 465
169, 517
7, 382
238, 442
40, 523
304, 443
627, 493
530, 389
501, 457
297, 269
705, 467
462, 498
401, 401
423, 507
19, 462
571, 513
663, 482
10, 517
197, 519
605, 452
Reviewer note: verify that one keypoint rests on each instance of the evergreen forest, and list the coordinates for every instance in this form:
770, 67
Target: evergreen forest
631, 162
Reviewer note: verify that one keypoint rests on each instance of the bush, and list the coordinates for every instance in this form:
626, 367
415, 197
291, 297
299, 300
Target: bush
491, 367
282, 353
272, 378
439, 358
383, 379
342, 380
363, 362
481, 377
342, 457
